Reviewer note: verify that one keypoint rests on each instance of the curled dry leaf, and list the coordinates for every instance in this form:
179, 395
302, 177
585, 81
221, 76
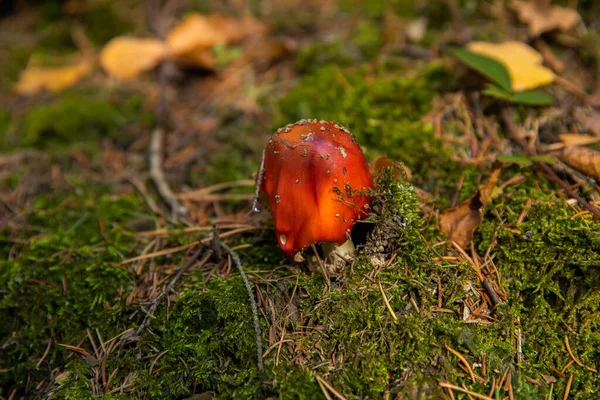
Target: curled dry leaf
523, 63
542, 18
125, 58
193, 32
53, 79
381, 162
578, 139
583, 160
460, 222
192, 40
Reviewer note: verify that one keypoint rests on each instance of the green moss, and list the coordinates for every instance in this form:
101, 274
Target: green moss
102, 22
549, 271
76, 117
368, 38
58, 284
315, 55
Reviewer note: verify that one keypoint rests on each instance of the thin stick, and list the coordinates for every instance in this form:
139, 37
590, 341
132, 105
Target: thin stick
158, 176
169, 288
238, 264
387, 303
463, 359
325, 274
45, 353
261, 175
328, 386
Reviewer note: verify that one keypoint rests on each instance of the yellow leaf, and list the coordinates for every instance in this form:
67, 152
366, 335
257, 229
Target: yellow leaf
522, 62
125, 58
52, 79
577, 139
192, 39
193, 32
542, 19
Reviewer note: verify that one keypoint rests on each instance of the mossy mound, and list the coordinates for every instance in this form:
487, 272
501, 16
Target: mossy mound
80, 116
58, 277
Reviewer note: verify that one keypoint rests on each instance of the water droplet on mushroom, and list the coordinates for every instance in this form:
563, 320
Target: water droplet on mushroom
282, 239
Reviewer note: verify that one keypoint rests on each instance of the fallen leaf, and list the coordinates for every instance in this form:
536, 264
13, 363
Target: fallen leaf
542, 19
577, 139
194, 32
53, 79
191, 41
522, 62
459, 223
126, 58
401, 172
583, 160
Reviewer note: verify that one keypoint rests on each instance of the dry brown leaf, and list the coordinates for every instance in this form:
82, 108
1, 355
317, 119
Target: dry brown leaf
381, 162
192, 39
583, 160
522, 62
460, 222
197, 58
194, 32
126, 58
577, 139
53, 79
542, 19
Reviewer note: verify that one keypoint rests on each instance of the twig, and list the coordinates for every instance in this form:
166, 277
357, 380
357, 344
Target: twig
549, 172
158, 176
489, 289
45, 353
238, 264
328, 386
154, 9
168, 289
325, 274
259, 179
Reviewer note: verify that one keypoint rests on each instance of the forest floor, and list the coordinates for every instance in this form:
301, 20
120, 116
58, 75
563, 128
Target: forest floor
91, 302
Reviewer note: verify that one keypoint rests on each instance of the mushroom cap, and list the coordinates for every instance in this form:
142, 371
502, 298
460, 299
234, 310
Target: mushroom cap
316, 178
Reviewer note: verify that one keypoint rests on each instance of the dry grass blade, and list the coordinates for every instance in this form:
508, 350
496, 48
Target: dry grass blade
463, 390
182, 247
463, 360
568, 388
387, 303
328, 386
575, 358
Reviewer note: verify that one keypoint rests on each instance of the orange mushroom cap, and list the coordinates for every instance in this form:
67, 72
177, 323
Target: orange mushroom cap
316, 178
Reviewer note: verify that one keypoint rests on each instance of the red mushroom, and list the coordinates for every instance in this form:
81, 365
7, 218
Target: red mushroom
316, 178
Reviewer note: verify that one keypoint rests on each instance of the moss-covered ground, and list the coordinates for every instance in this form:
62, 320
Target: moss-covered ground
85, 250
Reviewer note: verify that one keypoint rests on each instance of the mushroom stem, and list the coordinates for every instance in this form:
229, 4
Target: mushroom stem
344, 252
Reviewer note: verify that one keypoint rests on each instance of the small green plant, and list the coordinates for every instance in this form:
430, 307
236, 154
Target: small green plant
500, 87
